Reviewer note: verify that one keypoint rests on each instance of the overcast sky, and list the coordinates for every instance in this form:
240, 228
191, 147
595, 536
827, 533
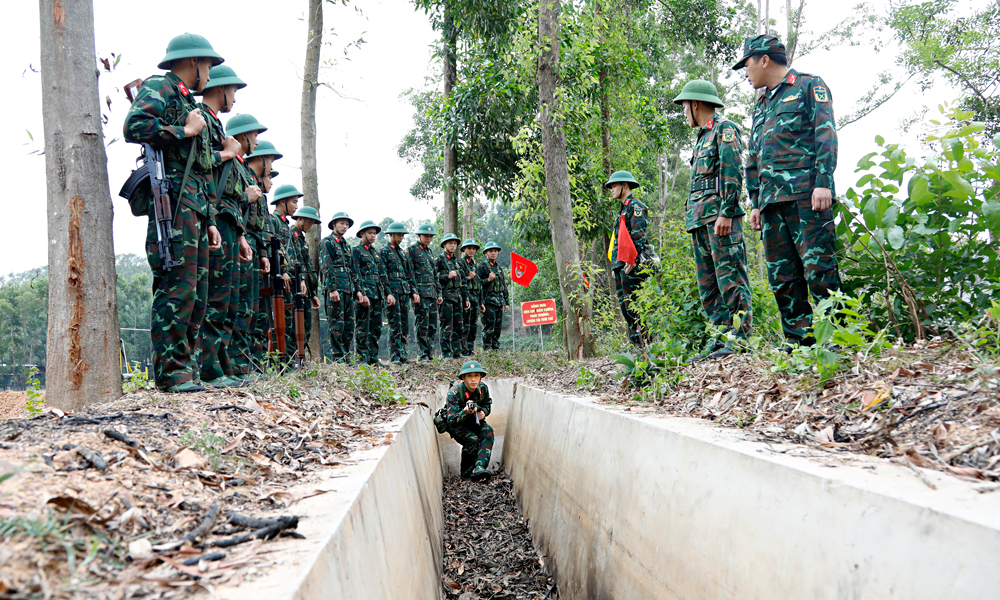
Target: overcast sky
358, 131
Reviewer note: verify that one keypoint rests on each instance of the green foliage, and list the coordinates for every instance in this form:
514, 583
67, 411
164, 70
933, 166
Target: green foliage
376, 384
36, 401
137, 379
587, 379
208, 444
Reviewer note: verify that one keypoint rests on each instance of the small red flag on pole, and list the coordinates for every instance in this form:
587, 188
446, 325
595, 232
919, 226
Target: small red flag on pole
521, 269
626, 249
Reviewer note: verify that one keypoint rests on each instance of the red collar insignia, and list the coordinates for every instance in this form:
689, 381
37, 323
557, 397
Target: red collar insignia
792, 78
240, 158
183, 88
211, 111
296, 233
366, 247
337, 239
710, 124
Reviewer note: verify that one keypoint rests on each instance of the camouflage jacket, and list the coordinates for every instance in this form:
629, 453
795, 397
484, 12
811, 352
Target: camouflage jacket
279, 227
372, 279
256, 220
216, 135
397, 270
424, 271
635, 220
793, 144
458, 398
494, 292
474, 286
157, 117
451, 287
337, 265
716, 174
299, 255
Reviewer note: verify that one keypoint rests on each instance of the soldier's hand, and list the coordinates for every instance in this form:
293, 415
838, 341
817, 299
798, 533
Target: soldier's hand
359, 296
246, 253
315, 303
506, 307
470, 275
265, 264
194, 123
482, 414
723, 226
822, 199
302, 286
416, 298
253, 193
365, 301
467, 305
334, 296
755, 219
629, 267
492, 276
452, 274
230, 148
469, 411
214, 238
482, 309
440, 300
288, 282
390, 300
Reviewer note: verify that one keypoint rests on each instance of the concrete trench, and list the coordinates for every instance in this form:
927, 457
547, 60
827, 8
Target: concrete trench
628, 507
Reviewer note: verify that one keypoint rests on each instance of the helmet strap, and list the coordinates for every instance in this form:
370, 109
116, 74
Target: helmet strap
197, 74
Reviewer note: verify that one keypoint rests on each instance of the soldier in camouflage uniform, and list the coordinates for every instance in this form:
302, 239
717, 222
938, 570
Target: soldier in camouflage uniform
260, 163
286, 202
374, 285
456, 297
629, 276
244, 128
474, 288
298, 252
714, 214
793, 154
165, 115
496, 296
466, 425
429, 289
402, 287
216, 334
340, 286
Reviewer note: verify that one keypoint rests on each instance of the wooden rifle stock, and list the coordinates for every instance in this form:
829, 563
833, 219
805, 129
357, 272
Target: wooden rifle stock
300, 318
277, 337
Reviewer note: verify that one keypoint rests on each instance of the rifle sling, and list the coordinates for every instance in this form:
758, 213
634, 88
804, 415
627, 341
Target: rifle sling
187, 172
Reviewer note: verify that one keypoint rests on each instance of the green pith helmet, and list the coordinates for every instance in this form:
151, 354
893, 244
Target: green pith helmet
368, 225
469, 242
339, 216
472, 366
307, 212
189, 45
491, 245
426, 229
223, 75
272, 174
242, 124
622, 176
700, 90
396, 227
265, 148
448, 237
286, 191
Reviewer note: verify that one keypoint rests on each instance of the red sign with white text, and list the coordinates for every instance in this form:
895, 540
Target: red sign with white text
538, 312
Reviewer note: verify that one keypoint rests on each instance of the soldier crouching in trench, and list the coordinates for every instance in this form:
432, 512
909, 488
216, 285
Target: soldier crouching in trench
465, 413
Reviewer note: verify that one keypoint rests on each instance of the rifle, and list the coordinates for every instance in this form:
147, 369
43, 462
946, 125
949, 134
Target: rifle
300, 318
277, 338
162, 211
472, 406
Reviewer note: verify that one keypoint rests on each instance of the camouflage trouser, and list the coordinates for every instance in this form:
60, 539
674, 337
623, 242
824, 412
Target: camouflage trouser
799, 249
451, 326
469, 325
223, 300
426, 317
262, 325
626, 285
492, 322
477, 446
399, 327
243, 345
340, 320
180, 296
723, 283
369, 330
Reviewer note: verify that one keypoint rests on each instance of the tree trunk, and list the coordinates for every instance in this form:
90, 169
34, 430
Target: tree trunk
82, 354
450, 32
310, 176
576, 302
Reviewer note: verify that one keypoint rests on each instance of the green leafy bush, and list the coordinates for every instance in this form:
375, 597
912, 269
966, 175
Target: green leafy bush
36, 401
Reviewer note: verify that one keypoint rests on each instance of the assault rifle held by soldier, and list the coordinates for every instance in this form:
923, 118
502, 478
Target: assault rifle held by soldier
277, 336
300, 319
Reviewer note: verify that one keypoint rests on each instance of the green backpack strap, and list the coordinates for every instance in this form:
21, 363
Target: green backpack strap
227, 169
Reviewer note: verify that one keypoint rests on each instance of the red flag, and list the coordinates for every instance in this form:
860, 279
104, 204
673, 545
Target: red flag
522, 269
626, 249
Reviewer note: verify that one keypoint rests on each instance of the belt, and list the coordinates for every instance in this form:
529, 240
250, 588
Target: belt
706, 184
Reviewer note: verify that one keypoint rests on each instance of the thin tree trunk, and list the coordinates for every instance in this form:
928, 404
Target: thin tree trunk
576, 302
310, 175
82, 352
450, 32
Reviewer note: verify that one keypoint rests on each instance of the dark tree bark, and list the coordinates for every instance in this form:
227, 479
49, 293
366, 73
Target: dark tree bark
450, 59
576, 303
82, 364
310, 175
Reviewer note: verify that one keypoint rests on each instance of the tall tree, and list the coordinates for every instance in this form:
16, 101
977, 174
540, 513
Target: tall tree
310, 175
82, 349
576, 302
449, 56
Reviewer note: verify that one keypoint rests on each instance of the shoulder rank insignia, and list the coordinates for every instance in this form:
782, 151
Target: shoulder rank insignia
821, 94
729, 135
638, 211
710, 124
183, 88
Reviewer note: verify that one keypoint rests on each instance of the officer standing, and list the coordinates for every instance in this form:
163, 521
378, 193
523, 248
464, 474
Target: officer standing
305, 218
340, 286
496, 296
428, 288
714, 215
628, 275
402, 287
474, 287
374, 286
165, 115
793, 154
456, 297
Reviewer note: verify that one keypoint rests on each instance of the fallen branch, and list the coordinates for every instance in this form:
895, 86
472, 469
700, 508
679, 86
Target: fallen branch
94, 458
206, 523
121, 437
206, 557
265, 533
232, 406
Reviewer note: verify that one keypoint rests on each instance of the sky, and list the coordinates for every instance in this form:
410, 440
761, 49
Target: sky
359, 126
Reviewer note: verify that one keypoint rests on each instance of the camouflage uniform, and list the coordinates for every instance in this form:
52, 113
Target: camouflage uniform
281, 228
476, 439
793, 150
299, 255
180, 295
721, 261
626, 284
495, 297
245, 347
401, 286
374, 284
455, 294
339, 275
426, 313
474, 288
